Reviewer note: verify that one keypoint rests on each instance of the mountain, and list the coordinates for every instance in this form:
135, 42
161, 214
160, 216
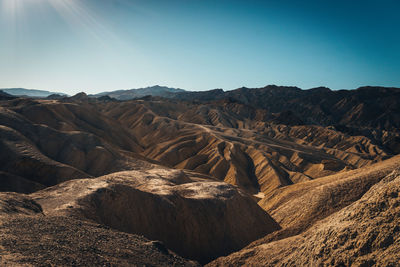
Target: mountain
227, 140
237, 144
361, 112
46, 143
374, 107
29, 92
260, 177
156, 90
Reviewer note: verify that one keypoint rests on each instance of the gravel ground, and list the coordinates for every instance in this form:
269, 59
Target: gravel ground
60, 241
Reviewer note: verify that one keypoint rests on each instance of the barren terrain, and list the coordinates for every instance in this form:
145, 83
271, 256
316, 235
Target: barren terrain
274, 176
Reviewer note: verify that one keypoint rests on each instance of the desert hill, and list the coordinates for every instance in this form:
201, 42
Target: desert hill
230, 146
189, 177
48, 142
369, 111
83, 137
365, 233
227, 140
194, 216
365, 106
323, 196
191, 214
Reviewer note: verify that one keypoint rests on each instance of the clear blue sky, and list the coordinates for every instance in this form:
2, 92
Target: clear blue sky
102, 45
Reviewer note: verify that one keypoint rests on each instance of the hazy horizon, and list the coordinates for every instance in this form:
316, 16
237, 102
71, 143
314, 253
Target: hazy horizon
231, 89
94, 46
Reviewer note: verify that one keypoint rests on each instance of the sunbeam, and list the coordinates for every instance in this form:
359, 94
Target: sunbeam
10, 9
75, 13
81, 17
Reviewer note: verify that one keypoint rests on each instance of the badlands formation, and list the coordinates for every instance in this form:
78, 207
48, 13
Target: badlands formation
274, 176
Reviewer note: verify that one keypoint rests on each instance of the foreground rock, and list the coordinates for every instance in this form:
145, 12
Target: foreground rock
197, 218
366, 233
28, 238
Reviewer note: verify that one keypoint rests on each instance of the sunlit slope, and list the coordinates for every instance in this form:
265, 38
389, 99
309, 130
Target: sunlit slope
256, 155
365, 233
298, 206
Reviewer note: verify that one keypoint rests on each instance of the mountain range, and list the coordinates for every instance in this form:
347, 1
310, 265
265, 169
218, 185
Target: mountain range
156, 90
29, 92
273, 176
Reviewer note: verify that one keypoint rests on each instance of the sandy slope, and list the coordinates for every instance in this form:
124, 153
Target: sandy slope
299, 206
366, 233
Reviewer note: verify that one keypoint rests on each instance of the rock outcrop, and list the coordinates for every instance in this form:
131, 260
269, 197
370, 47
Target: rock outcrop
197, 218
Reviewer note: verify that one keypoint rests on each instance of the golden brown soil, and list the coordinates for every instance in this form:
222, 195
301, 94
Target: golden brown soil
366, 233
298, 206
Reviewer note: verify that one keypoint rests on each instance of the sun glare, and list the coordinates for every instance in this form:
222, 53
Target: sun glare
10, 7
75, 13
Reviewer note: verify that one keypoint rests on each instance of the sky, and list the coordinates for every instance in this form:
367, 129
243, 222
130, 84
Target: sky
102, 45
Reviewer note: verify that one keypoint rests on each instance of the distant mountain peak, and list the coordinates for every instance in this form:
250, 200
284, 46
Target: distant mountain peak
156, 90
82, 97
29, 92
